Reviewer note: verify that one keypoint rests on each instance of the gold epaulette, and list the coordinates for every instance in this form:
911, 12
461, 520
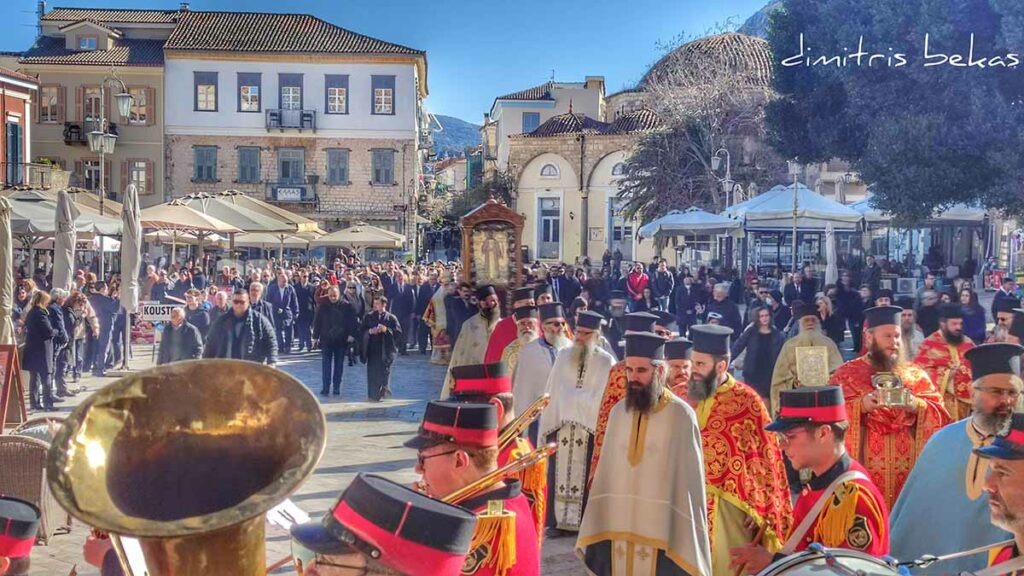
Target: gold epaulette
840, 525
494, 539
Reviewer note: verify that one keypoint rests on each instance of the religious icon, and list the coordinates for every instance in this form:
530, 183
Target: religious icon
490, 249
812, 365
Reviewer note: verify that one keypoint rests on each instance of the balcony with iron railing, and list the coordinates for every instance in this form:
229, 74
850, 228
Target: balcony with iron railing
294, 192
282, 119
37, 175
78, 132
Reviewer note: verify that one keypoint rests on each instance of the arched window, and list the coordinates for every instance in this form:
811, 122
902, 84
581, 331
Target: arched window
619, 169
549, 171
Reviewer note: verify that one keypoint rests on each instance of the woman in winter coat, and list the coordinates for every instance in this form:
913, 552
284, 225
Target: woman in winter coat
38, 353
763, 342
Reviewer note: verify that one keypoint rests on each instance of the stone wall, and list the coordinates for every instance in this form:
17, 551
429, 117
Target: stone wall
597, 146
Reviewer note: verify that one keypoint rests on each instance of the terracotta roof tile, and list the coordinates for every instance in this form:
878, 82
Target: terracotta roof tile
641, 120
270, 32
126, 52
542, 92
91, 21
113, 16
18, 75
567, 124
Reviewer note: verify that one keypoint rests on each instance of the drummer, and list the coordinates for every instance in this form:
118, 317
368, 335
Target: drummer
19, 522
1005, 487
812, 427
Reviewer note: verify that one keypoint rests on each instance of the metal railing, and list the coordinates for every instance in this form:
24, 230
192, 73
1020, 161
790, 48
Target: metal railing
286, 192
36, 175
282, 119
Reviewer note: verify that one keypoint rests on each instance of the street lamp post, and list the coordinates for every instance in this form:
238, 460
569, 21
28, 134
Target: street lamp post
102, 142
794, 171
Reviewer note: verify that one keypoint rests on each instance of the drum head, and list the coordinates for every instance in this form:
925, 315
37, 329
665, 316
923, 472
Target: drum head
814, 563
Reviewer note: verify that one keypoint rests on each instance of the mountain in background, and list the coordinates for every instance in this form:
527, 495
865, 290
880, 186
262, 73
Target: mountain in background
757, 25
456, 136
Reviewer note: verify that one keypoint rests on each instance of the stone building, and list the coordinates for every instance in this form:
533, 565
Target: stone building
17, 94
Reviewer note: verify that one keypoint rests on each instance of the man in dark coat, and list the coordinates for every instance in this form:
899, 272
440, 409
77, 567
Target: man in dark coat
381, 334
61, 338
424, 292
37, 358
728, 309
663, 284
402, 297
687, 296
281, 297
335, 328
459, 308
305, 294
566, 288
181, 340
259, 303
872, 275
195, 313
245, 334
106, 309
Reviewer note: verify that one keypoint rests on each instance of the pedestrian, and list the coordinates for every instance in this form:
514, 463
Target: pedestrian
106, 309
381, 334
181, 340
195, 313
38, 352
61, 340
831, 322
974, 315
305, 293
285, 304
424, 293
245, 334
725, 308
402, 299
763, 343
258, 303
335, 331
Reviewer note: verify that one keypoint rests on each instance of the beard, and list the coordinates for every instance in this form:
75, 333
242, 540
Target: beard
993, 422
559, 340
643, 398
701, 388
527, 337
580, 352
487, 313
999, 333
883, 360
951, 338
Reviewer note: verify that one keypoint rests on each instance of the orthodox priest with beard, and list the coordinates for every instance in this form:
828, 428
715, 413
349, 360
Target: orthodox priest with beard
477, 330
505, 331
942, 357
747, 490
576, 384
680, 366
887, 437
951, 473
536, 360
647, 508
527, 330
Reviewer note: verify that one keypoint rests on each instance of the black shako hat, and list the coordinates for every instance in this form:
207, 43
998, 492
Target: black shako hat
711, 339
457, 423
640, 322
524, 312
485, 291
677, 349
551, 311
666, 320
19, 522
1017, 324
995, 358
812, 404
948, 311
1006, 304
522, 294
1008, 444
645, 345
804, 309
882, 316
399, 527
480, 380
590, 320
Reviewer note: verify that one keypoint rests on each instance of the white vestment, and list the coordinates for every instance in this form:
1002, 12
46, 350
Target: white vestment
470, 347
575, 402
531, 377
647, 511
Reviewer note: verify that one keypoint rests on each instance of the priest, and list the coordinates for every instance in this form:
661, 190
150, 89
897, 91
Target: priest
436, 318
941, 355
647, 509
576, 384
527, 330
949, 472
474, 334
748, 494
680, 366
888, 429
505, 331
536, 360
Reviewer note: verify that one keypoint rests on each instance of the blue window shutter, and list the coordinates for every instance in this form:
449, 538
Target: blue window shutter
343, 166
376, 162
248, 164
335, 81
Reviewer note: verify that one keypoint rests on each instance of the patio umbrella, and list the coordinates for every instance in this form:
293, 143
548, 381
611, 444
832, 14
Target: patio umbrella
131, 254
6, 274
360, 237
831, 269
64, 242
177, 217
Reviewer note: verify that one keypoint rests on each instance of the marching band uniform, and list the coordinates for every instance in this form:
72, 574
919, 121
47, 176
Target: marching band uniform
394, 525
19, 523
950, 472
743, 467
945, 364
888, 440
505, 540
1008, 445
479, 382
853, 514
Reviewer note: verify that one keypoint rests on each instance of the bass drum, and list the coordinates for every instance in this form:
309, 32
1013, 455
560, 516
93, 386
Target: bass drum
830, 561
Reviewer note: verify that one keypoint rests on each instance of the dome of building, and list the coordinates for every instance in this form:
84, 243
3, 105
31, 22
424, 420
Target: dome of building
731, 52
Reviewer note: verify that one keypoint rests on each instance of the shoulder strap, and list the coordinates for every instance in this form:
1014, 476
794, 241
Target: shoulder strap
812, 515
1008, 567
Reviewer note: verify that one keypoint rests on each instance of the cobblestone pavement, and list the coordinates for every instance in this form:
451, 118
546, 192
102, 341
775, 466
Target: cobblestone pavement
361, 437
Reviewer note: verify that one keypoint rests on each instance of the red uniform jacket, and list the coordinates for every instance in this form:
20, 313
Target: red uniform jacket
533, 481
1005, 554
527, 552
504, 334
859, 524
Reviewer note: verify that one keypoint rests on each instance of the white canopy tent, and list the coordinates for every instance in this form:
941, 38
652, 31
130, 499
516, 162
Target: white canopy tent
773, 211
690, 221
956, 214
360, 237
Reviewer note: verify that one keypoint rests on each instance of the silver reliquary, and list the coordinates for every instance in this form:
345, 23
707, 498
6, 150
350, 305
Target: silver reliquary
890, 389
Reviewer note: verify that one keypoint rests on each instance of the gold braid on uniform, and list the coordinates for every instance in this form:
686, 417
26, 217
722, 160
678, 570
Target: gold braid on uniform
839, 523
493, 543
533, 480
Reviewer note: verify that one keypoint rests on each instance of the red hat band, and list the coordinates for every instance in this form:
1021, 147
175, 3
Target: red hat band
474, 437
12, 547
821, 414
483, 386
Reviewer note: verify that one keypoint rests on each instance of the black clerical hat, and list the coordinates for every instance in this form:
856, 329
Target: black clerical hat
551, 311
640, 322
948, 311
882, 316
524, 312
905, 302
677, 349
541, 289
884, 293
645, 345
1006, 304
1008, 444
666, 320
995, 358
522, 294
19, 522
1017, 324
485, 291
457, 423
811, 404
591, 320
399, 527
804, 309
711, 339
617, 295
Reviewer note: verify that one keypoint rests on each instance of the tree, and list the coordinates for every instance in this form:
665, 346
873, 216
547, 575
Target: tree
923, 137
500, 188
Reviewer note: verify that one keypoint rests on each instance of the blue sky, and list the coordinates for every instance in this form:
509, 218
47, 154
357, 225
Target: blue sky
477, 50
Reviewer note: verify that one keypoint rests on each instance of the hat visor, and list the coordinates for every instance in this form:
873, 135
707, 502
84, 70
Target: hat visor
421, 443
1000, 452
783, 424
317, 539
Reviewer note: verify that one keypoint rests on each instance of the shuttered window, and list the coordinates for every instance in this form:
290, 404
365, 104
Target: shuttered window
383, 167
337, 166
248, 164
205, 163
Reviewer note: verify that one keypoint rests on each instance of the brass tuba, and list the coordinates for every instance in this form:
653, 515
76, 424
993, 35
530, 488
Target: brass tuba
187, 458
